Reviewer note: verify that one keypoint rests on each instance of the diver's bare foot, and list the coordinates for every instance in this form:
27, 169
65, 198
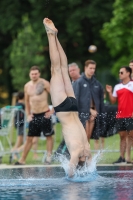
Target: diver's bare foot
49, 26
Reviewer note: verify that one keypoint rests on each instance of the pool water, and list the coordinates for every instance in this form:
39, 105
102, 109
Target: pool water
50, 183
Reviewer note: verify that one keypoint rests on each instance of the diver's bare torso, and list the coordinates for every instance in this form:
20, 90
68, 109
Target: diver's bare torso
74, 133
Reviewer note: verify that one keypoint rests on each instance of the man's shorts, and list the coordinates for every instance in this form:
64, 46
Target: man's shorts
40, 124
124, 124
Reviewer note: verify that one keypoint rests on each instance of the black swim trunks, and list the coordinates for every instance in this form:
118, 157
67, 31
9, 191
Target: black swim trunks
68, 105
40, 124
124, 124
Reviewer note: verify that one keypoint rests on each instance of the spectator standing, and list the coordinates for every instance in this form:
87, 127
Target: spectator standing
90, 97
123, 93
38, 113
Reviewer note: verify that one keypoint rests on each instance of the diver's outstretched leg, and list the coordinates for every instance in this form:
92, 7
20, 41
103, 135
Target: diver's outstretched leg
64, 69
56, 84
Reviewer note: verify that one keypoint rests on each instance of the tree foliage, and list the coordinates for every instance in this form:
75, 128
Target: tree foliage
24, 55
118, 34
24, 43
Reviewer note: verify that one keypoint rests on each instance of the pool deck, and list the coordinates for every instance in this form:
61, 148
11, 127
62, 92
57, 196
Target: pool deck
5, 166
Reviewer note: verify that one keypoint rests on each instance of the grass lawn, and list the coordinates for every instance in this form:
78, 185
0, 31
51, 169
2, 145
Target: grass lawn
111, 143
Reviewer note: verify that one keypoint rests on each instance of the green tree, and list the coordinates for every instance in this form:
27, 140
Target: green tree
11, 13
79, 23
27, 50
118, 34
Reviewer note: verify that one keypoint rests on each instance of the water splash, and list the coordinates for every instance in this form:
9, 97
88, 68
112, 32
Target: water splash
85, 173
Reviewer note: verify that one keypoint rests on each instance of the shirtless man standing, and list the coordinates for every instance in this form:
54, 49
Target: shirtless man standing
38, 113
64, 102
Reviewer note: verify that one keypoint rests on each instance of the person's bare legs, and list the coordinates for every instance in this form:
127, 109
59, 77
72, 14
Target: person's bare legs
129, 140
27, 147
123, 135
35, 147
64, 69
96, 144
19, 142
102, 142
56, 83
89, 128
21, 148
99, 144
49, 147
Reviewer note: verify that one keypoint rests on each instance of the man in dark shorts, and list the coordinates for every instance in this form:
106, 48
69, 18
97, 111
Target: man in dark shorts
38, 113
40, 124
123, 92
